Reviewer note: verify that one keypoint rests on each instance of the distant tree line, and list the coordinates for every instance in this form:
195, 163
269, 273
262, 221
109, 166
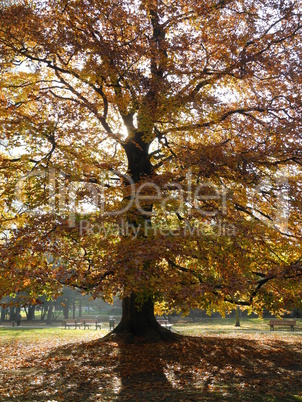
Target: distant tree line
69, 303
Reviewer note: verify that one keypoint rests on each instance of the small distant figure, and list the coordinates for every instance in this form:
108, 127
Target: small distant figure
18, 319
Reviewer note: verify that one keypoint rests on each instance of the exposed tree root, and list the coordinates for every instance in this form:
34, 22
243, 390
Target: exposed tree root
138, 325
153, 335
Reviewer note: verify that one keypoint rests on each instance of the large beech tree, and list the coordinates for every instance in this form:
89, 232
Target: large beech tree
152, 149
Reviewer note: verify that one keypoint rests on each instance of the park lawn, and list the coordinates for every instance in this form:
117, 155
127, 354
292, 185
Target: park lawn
53, 364
227, 325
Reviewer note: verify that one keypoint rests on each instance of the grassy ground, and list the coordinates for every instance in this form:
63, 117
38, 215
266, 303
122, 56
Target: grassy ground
215, 362
227, 325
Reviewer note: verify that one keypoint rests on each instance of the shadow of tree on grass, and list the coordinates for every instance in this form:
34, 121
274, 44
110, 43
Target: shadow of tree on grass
209, 368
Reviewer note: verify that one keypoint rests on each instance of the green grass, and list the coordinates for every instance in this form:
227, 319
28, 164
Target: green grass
183, 326
36, 334
206, 325
227, 325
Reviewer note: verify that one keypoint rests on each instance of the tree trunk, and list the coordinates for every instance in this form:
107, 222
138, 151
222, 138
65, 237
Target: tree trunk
3, 311
44, 310
31, 312
138, 324
49, 313
237, 317
12, 313
66, 311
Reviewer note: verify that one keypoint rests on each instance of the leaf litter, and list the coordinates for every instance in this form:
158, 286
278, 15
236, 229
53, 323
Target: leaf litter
224, 367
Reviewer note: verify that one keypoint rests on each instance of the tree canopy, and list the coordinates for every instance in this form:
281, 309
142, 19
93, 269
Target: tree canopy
152, 148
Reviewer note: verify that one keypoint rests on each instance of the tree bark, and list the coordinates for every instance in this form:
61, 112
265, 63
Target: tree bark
3, 314
137, 152
12, 313
30, 312
139, 325
66, 311
237, 317
49, 313
44, 310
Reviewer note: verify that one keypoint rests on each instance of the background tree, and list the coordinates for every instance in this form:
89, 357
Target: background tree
153, 150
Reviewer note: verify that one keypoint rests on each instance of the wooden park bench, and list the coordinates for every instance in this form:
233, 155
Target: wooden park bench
283, 323
88, 322
73, 324
165, 323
